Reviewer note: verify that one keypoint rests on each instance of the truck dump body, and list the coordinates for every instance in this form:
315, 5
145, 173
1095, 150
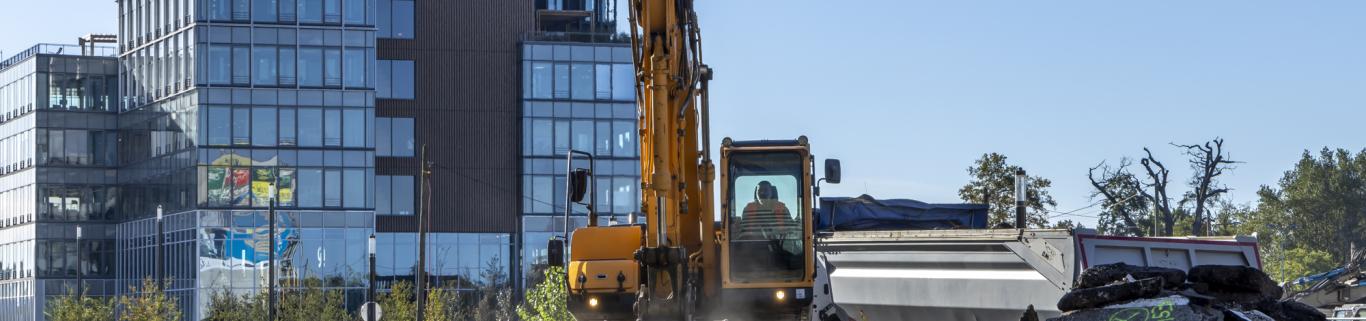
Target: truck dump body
990, 274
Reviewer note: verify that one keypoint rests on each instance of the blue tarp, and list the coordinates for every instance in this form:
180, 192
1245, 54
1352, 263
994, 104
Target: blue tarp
864, 213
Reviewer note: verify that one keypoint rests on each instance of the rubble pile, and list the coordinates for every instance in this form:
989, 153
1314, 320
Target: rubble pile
1208, 293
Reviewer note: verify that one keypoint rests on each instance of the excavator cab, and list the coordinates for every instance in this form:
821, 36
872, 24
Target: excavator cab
766, 236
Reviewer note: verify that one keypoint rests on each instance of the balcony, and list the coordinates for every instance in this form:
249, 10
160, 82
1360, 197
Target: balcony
56, 49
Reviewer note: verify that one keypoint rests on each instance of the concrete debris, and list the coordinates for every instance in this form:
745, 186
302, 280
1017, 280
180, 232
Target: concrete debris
1030, 314
1211, 292
1110, 294
1101, 275
1235, 279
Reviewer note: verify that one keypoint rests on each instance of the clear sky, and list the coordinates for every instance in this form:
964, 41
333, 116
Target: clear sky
909, 93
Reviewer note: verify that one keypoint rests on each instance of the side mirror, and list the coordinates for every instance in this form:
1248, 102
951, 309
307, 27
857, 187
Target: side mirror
832, 171
555, 252
578, 185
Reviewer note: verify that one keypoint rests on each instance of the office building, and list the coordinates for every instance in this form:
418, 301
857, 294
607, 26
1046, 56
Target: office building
58, 121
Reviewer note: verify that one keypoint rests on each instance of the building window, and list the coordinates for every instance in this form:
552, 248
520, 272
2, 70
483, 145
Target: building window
310, 127
311, 11
353, 128
541, 79
603, 81
332, 127
395, 79
623, 82
287, 75
394, 137
265, 60
287, 133
354, 71
241, 126
561, 81
353, 185
263, 126
332, 67
311, 67
241, 64
582, 85
219, 69
355, 12
264, 11
394, 195
395, 19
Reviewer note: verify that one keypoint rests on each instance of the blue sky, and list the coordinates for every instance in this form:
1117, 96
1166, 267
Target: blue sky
909, 93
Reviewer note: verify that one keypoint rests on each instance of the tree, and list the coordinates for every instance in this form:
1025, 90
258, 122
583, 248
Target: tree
1208, 160
149, 303
398, 302
312, 303
1158, 178
226, 306
1320, 204
1125, 210
993, 183
1296, 263
548, 301
79, 307
1066, 225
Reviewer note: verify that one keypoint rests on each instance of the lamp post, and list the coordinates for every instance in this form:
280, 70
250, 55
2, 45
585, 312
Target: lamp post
80, 263
371, 290
270, 274
161, 239
1020, 195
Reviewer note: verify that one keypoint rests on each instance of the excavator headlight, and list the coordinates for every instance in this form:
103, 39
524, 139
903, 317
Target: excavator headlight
780, 295
592, 302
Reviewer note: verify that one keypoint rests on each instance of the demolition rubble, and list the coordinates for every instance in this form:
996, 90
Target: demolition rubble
1208, 293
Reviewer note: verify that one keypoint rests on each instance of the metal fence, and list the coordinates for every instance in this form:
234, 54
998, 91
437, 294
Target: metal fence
56, 49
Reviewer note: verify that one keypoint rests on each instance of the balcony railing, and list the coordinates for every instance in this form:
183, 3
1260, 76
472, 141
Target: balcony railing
55, 49
587, 37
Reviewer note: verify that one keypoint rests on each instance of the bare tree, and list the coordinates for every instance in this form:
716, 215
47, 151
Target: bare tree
1125, 211
1157, 176
1208, 160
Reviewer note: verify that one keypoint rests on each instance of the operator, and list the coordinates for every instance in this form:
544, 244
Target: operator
766, 211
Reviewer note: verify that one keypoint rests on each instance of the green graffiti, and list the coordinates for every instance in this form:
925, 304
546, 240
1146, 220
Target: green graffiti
1163, 311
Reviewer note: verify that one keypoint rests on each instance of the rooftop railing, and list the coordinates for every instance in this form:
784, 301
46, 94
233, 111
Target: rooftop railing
588, 37
57, 49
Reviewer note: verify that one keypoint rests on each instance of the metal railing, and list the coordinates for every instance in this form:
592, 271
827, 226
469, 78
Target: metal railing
57, 49
587, 37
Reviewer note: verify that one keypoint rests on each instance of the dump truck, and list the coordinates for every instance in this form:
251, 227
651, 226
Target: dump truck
975, 273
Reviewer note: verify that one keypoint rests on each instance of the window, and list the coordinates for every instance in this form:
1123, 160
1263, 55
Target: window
311, 11
220, 64
241, 126
241, 65
395, 19
287, 11
561, 137
604, 82
311, 66
263, 126
332, 67
561, 81
355, 67
353, 184
241, 10
332, 127
263, 11
355, 12
604, 139
583, 81
220, 10
625, 135
394, 137
353, 128
583, 135
220, 125
310, 127
395, 79
287, 136
623, 82
332, 182
310, 187
332, 12
287, 75
265, 59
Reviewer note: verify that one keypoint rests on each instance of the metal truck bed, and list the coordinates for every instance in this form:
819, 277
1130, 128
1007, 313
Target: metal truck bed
988, 274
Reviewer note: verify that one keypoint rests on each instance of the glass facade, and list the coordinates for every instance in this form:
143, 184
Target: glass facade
222, 103
57, 160
577, 96
461, 261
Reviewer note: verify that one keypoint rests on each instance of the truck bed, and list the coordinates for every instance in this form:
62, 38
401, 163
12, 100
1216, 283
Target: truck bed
990, 274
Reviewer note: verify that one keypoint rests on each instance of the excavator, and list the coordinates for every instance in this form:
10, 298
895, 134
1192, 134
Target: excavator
755, 263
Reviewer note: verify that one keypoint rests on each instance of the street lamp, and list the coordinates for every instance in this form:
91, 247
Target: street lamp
1020, 195
270, 275
161, 239
80, 263
371, 294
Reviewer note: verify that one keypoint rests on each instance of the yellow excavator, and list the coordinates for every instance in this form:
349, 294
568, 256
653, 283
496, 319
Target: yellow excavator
756, 263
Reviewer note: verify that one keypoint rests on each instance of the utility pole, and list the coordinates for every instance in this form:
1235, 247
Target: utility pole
370, 294
80, 263
1020, 195
422, 210
270, 276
